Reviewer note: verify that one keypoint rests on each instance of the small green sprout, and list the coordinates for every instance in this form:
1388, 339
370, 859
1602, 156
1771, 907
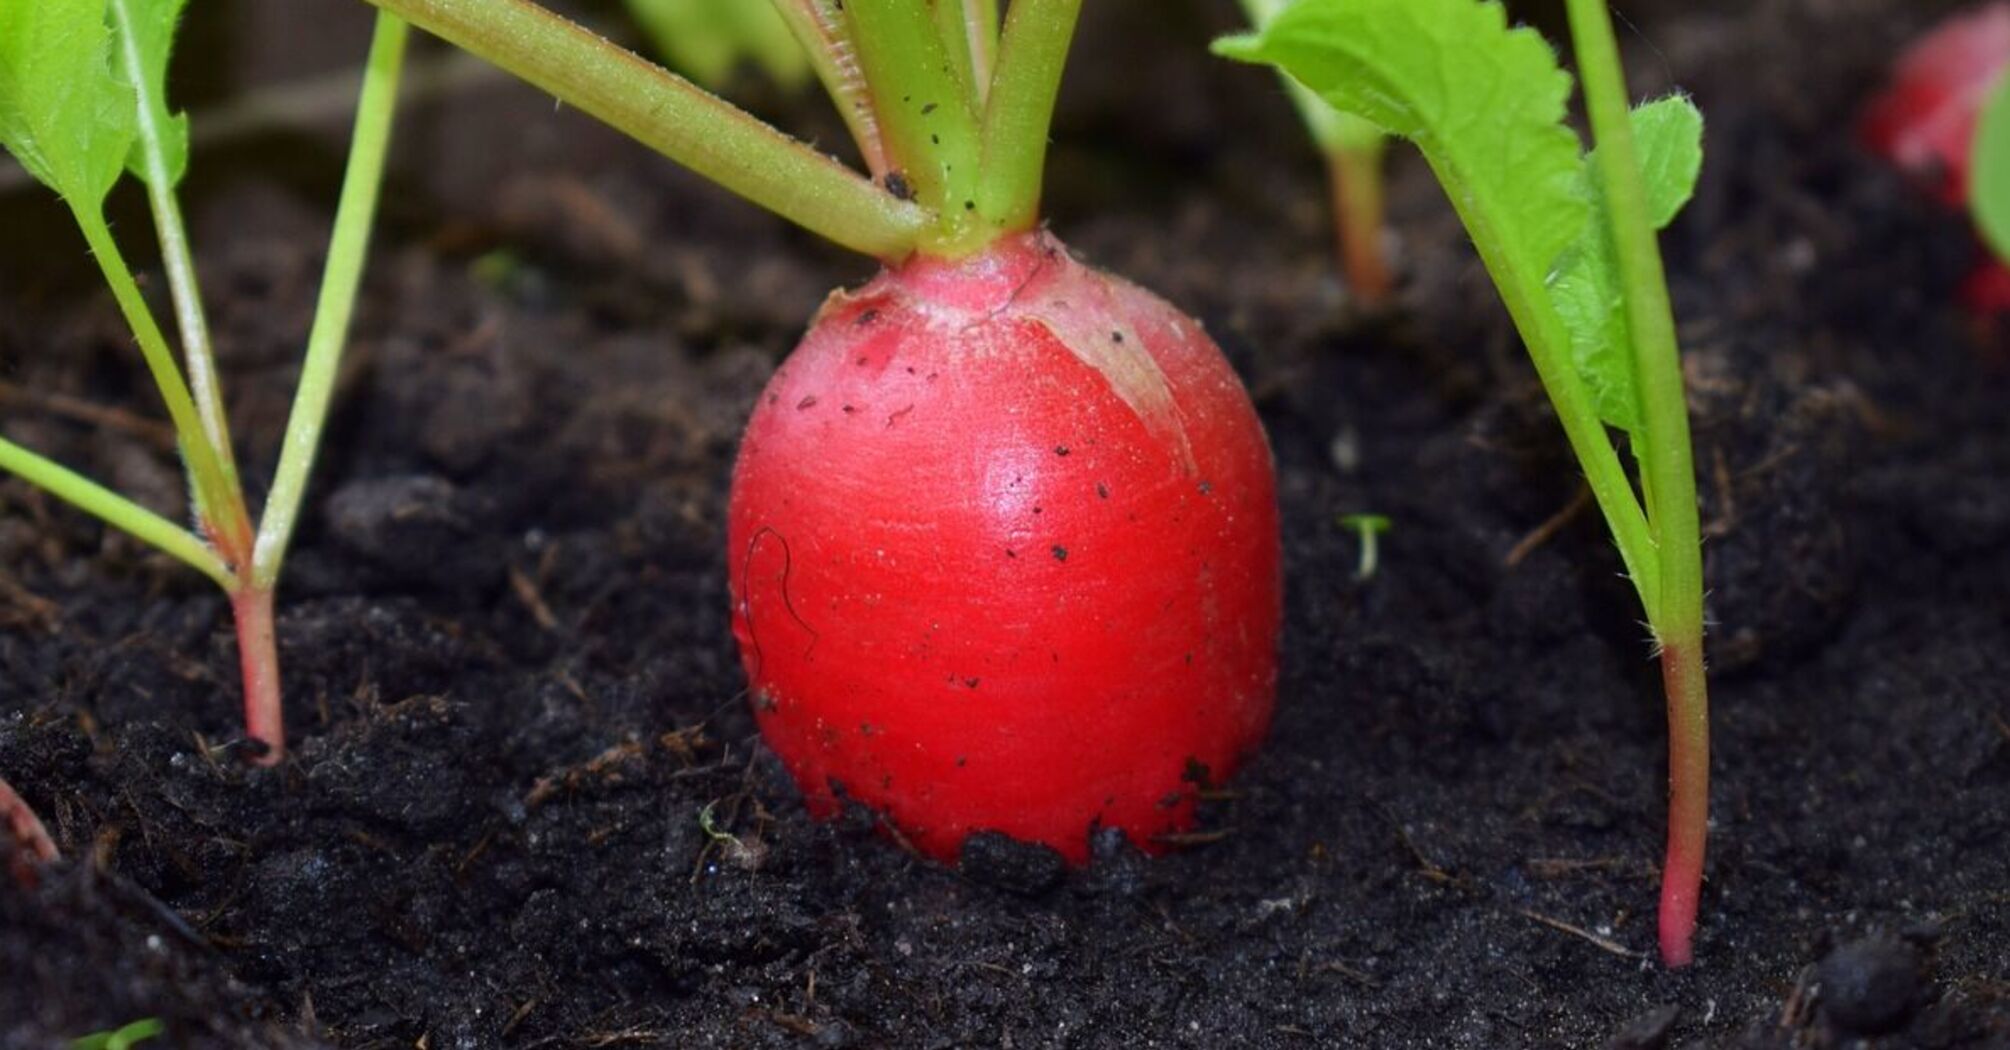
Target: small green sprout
122, 1038
1369, 527
1989, 192
746, 854
83, 101
1569, 240
1353, 149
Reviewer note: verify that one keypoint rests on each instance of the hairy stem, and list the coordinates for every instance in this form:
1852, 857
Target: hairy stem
115, 510
348, 246
1667, 467
219, 503
176, 258
825, 35
676, 118
1032, 55
1548, 344
1356, 177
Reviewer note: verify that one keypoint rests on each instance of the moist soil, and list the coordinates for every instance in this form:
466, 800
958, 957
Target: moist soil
513, 693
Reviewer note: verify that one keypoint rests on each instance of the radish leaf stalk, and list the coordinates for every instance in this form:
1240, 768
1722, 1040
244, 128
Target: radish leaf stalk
82, 98
1569, 241
676, 118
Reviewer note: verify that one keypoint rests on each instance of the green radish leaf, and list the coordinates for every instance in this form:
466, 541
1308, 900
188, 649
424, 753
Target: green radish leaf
1585, 286
1989, 192
64, 113
145, 36
1332, 130
1485, 104
706, 39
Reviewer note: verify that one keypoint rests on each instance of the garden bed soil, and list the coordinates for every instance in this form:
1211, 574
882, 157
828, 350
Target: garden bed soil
512, 691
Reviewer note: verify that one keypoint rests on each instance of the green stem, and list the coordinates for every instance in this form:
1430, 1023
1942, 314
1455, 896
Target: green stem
825, 35
980, 28
1668, 467
953, 29
674, 117
923, 101
1032, 54
115, 510
219, 503
347, 248
1548, 344
176, 258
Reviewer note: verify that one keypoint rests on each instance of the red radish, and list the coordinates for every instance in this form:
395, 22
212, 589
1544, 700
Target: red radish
1003, 537
1925, 121
1004, 554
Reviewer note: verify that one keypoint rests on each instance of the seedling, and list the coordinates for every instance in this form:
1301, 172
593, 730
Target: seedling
1003, 531
1569, 240
745, 854
1353, 149
1369, 527
29, 844
83, 100
1945, 121
124, 1038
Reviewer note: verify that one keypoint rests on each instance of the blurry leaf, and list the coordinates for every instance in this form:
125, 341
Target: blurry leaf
707, 39
1989, 195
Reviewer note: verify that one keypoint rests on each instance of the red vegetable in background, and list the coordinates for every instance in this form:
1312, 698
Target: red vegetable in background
1004, 554
1925, 121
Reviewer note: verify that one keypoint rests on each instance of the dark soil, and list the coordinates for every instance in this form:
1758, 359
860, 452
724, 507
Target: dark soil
512, 689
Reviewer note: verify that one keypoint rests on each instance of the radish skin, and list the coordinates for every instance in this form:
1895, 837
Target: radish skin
1004, 555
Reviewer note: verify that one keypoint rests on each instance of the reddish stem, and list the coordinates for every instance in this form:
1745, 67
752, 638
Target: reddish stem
258, 655
1688, 797
1356, 180
32, 845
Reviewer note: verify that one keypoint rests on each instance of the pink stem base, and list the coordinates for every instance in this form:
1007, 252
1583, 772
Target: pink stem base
31, 842
258, 655
1688, 799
